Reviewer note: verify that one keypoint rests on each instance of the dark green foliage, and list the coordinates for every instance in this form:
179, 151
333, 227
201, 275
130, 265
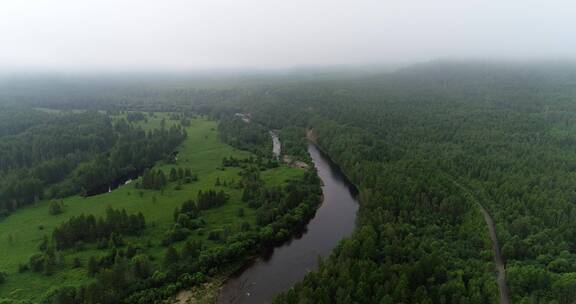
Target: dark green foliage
210, 199
294, 143
181, 175
92, 266
120, 272
216, 235
246, 136
176, 234
142, 267
191, 250
14, 120
23, 268
75, 153
153, 179
3, 277
173, 174
77, 263
43, 262
55, 207
90, 229
503, 131
47, 153
171, 256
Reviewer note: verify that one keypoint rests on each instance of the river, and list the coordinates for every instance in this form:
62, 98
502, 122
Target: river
286, 265
276, 145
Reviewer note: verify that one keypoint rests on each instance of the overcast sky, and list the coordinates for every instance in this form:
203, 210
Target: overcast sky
197, 34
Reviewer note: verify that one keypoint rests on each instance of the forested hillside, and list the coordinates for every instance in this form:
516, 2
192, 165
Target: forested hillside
507, 137
62, 154
425, 145
199, 209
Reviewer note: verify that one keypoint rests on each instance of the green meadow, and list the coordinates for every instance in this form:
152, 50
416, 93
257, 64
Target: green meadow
202, 152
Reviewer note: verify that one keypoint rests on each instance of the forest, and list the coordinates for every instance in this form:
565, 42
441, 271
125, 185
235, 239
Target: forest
187, 218
74, 153
425, 145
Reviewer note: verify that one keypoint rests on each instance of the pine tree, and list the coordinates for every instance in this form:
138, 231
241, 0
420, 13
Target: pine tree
173, 174
141, 266
191, 249
176, 213
160, 180
92, 266
171, 257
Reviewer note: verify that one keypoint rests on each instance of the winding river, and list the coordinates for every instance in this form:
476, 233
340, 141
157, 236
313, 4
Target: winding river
286, 265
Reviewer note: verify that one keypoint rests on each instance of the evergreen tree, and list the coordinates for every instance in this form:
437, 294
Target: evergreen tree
173, 174
92, 266
171, 256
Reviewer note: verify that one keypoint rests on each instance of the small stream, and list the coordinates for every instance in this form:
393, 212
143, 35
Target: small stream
286, 265
276, 145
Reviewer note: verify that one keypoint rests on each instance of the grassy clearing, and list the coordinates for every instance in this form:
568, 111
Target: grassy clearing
202, 152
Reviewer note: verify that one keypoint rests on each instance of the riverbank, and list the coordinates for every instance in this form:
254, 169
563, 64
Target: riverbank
334, 220
202, 153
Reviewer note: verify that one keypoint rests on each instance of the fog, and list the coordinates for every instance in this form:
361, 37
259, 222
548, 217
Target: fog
187, 35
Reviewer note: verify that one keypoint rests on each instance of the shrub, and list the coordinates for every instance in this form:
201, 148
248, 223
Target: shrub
55, 207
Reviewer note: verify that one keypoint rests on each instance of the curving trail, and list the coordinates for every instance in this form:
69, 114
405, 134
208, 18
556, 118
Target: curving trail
498, 259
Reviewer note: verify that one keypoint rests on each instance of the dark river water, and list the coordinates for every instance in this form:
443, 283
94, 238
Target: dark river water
286, 265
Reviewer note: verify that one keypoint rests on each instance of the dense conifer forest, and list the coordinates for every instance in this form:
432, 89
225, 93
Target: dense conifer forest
74, 153
426, 145
117, 255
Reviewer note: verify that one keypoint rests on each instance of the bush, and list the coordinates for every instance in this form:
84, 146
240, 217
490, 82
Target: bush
23, 268
215, 235
55, 207
3, 276
77, 263
176, 234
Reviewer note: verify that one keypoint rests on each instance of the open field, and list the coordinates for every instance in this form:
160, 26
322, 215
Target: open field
202, 152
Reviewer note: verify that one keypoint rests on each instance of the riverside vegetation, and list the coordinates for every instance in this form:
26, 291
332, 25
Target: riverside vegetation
186, 220
424, 145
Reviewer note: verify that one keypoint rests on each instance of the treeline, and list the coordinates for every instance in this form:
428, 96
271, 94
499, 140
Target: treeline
245, 135
48, 152
76, 153
16, 119
88, 228
122, 278
80, 231
59, 136
503, 132
153, 179
157, 179
187, 216
294, 143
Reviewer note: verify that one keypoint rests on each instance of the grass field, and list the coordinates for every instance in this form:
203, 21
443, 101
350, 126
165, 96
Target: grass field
202, 152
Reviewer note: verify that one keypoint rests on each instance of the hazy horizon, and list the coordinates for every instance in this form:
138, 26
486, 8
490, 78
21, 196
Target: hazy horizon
174, 35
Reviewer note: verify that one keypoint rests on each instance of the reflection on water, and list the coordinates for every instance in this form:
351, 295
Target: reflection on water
286, 265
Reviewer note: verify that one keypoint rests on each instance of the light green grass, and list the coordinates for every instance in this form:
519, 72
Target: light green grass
202, 152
